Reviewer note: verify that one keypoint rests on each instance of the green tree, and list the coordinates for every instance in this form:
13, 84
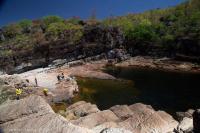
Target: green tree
144, 32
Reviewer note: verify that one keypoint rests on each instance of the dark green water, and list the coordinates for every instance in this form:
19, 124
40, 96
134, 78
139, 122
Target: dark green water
169, 91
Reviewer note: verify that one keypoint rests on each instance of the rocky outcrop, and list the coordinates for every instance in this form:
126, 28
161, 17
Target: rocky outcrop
33, 114
96, 40
159, 63
181, 115
137, 118
185, 125
122, 111
96, 119
25, 107
81, 109
146, 120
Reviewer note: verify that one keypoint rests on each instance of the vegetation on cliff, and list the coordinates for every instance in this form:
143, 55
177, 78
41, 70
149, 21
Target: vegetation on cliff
159, 32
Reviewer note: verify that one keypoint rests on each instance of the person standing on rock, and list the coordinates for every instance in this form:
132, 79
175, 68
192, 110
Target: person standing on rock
36, 82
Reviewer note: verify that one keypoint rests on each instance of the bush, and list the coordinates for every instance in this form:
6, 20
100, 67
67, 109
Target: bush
64, 31
143, 32
52, 19
74, 20
12, 30
55, 29
124, 23
6, 53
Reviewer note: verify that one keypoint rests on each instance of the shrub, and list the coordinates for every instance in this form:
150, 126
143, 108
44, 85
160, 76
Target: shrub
64, 31
12, 30
52, 19
124, 23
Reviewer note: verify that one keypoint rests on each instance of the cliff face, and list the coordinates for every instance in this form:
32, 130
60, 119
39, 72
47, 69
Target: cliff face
95, 41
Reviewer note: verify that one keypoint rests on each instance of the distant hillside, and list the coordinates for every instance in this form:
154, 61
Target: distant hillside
168, 32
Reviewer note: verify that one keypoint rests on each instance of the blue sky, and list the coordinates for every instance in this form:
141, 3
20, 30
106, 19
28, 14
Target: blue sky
15, 10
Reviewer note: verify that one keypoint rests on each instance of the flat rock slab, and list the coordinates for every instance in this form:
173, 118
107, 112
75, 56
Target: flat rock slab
21, 108
81, 109
33, 114
96, 119
122, 111
45, 123
147, 120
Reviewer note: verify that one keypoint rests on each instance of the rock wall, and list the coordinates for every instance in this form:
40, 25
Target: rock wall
96, 40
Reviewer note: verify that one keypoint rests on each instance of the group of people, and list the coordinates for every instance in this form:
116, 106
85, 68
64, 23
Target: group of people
60, 77
18, 91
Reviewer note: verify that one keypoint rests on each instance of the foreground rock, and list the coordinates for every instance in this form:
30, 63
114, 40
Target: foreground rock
146, 120
185, 125
96, 119
122, 111
137, 118
33, 114
181, 115
81, 109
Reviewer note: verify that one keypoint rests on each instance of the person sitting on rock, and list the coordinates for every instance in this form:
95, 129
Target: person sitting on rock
62, 76
59, 78
18, 93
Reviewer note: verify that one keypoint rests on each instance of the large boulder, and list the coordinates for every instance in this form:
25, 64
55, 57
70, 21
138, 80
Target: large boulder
146, 120
81, 109
181, 115
33, 114
20, 108
96, 119
185, 125
122, 111
45, 123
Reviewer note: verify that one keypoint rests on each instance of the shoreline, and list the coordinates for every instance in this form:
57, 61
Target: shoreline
160, 64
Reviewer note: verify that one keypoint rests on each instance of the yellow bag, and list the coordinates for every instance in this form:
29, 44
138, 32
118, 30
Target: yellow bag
45, 90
